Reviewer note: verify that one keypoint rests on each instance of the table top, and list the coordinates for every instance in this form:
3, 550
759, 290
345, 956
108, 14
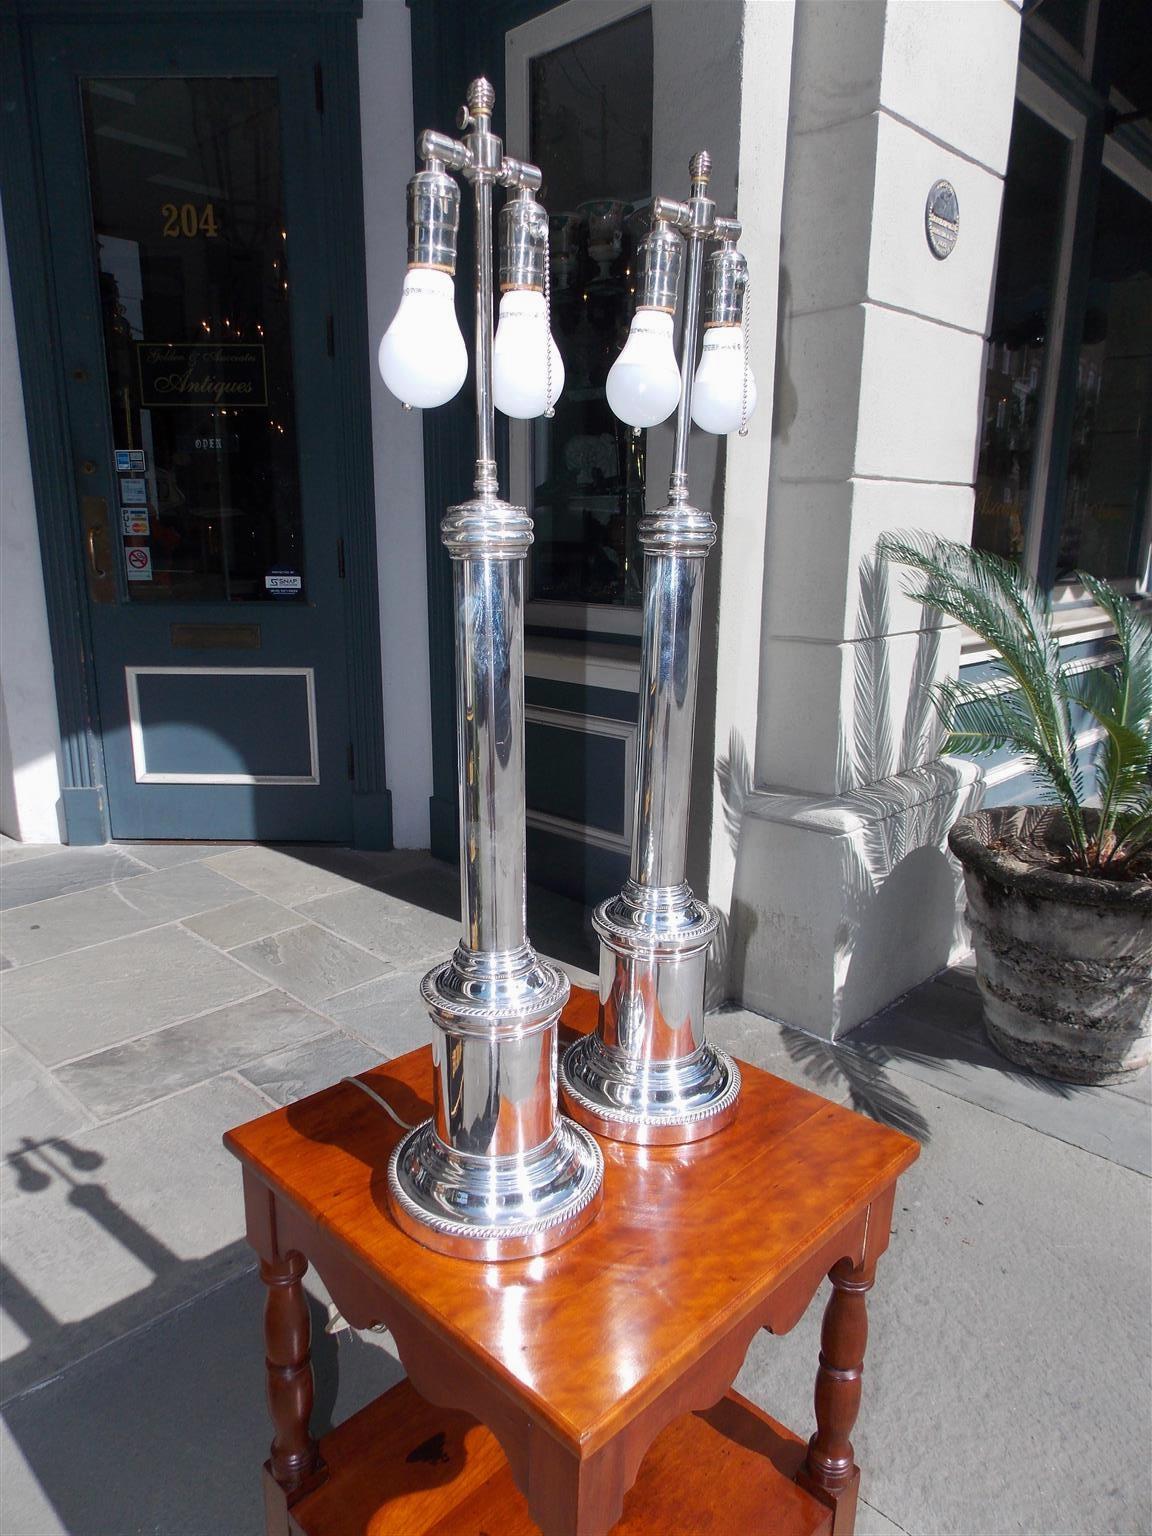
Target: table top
690, 1240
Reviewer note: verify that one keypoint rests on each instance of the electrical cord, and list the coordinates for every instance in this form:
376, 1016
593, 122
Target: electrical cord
383, 1103
337, 1322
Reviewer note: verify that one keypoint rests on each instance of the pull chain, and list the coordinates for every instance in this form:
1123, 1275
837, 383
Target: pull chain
550, 409
743, 428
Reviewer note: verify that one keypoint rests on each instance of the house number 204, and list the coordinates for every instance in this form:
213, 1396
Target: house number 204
188, 221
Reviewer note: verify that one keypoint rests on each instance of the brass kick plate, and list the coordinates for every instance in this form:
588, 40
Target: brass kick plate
216, 637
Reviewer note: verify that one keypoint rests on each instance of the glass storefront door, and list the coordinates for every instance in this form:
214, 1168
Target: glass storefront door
580, 94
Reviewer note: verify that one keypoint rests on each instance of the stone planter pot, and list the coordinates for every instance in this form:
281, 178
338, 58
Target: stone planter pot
1064, 962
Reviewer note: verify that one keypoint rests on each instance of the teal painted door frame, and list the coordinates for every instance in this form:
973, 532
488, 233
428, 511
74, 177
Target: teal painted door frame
317, 45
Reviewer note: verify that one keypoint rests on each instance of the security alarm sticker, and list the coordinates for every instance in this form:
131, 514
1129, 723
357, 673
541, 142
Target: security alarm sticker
130, 461
134, 492
139, 562
135, 524
283, 581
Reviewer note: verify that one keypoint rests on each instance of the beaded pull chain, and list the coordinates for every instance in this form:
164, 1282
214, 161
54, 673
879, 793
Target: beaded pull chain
743, 428
550, 409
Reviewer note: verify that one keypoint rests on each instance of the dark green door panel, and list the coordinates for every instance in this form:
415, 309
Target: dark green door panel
232, 689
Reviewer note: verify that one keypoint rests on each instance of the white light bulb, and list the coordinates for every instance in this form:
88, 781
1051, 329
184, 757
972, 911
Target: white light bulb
520, 358
718, 400
422, 357
644, 381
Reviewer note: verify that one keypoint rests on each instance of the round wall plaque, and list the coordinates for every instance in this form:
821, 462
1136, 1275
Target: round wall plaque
942, 219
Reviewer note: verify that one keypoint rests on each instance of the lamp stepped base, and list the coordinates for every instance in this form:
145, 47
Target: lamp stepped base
495, 1208
648, 1076
652, 1104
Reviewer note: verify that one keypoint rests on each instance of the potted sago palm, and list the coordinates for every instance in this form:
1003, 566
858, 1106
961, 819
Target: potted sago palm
1059, 895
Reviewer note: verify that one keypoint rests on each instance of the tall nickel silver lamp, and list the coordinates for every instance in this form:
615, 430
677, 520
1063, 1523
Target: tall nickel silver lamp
496, 1173
648, 1075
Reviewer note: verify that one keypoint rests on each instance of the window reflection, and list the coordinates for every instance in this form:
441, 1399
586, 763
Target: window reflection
1017, 347
194, 288
1111, 443
591, 114
1068, 18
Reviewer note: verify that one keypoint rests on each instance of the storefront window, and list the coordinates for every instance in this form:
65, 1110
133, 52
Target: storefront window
1068, 19
194, 289
1111, 441
591, 116
1034, 194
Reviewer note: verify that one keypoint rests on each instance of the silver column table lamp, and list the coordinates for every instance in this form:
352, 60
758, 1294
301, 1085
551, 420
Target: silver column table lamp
648, 1075
496, 1173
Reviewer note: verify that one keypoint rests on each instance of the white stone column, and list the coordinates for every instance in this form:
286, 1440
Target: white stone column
738, 495
29, 727
843, 896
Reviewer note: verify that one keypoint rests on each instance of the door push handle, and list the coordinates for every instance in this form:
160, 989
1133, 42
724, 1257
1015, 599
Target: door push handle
101, 576
93, 563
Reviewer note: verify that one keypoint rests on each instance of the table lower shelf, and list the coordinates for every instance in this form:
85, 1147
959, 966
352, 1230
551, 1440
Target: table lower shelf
401, 1467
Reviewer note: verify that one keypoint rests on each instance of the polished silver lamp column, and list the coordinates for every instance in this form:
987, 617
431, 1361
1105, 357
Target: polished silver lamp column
496, 1173
648, 1075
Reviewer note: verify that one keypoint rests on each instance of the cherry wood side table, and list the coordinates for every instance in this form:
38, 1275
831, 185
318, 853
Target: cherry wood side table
585, 1391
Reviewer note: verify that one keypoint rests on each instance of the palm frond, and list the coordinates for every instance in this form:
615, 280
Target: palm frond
1134, 826
1119, 699
998, 602
1007, 610
916, 736
872, 753
1134, 639
1027, 706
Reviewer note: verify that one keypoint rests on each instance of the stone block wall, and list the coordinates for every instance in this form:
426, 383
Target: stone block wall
843, 896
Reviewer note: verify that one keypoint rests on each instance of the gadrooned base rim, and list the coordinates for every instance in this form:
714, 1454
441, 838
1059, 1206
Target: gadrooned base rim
494, 1242
648, 1125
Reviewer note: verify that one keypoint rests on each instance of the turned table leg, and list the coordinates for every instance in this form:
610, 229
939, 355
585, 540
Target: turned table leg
830, 1470
287, 1342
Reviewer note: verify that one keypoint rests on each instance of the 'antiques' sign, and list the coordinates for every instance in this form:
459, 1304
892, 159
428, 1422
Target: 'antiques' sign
219, 373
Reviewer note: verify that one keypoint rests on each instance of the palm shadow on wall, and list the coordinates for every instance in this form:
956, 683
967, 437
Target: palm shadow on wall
905, 813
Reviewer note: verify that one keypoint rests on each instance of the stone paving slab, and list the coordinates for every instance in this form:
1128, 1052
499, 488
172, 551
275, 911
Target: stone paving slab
117, 1225
112, 911
1138, 1087
167, 855
289, 1075
310, 963
126, 1077
386, 924
33, 1105
12, 852
79, 1003
429, 884
822, 1066
935, 1035
165, 1432
242, 921
71, 869
278, 875
388, 1014
1005, 1388
870, 1522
